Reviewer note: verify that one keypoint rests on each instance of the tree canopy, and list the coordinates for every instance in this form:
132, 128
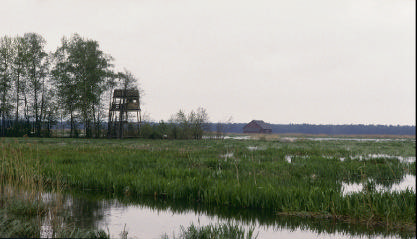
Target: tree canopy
37, 88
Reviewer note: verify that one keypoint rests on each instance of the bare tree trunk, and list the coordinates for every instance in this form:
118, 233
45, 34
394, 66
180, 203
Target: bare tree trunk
41, 116
26, 109
109, 122
72, 133
17, 97
94, 128
121, 117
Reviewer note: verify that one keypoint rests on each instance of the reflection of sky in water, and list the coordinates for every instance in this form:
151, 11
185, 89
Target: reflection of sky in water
409, 181
148, 223
354, 139
237, 137
403, 159
227, 155
374, 156
292, 139
143, 222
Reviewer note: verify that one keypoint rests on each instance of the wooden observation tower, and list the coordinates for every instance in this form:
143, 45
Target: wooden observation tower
124, 103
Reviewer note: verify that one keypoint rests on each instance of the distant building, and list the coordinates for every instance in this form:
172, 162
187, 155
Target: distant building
257, 126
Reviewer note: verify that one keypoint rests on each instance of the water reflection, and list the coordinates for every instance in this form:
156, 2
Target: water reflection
407, 182
386, 156
355, 139
150, 218
85, 212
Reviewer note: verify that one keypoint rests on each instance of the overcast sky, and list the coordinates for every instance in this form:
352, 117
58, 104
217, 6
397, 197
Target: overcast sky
281, 61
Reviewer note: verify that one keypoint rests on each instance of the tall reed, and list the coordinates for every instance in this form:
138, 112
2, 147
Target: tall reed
23, 212
199, 172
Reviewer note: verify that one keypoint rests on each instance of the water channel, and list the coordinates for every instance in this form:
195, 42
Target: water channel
150, 218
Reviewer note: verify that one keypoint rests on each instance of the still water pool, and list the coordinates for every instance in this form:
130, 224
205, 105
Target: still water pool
153, 219
142, 222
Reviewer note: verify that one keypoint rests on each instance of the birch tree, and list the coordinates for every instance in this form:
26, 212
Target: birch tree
36, 71
5, 81
82, 73
20, 50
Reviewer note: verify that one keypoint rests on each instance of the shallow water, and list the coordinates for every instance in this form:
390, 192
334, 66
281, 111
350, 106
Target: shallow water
144, 222
150, 218
288, 158
153, 219
408, 182
354, 139
374, 156
227, 155
237, 137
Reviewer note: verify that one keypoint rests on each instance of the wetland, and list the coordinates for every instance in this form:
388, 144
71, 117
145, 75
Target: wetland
269, 187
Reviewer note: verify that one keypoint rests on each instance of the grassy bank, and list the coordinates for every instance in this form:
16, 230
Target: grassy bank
301, 178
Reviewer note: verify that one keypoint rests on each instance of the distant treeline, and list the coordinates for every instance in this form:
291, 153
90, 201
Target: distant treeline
354, 129
181, 125
357, 129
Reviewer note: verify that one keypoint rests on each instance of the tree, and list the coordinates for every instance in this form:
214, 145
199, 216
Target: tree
183, 124
6, 55
82, 73
189, 127
65, 83
36, 72
20, 57
198, 121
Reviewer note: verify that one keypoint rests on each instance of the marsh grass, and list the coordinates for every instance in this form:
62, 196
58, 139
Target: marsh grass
227, 230
197, 172
12, 227
23, 212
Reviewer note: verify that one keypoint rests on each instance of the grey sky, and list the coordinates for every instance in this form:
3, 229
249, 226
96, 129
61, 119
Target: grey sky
292, 61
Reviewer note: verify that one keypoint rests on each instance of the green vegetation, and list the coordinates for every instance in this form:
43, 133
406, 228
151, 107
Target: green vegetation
218, 231
18, 218
39, 88
242, 174
180, 126
23, 212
